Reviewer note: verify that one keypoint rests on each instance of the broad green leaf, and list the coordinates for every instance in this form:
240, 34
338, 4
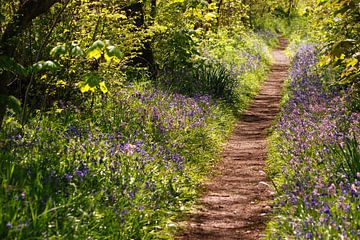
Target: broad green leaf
43, 66
58, 51
113, 53
103, 87
14, 104
8, 64
98, 44
76, 51
92, 79
37, 67
49, 65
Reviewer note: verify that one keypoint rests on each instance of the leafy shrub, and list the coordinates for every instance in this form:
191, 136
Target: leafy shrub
228, 68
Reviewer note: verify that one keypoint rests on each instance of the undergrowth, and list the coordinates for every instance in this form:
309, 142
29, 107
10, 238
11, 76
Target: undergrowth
125, 162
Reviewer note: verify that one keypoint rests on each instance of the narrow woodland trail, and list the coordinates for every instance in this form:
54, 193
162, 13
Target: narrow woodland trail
236, 202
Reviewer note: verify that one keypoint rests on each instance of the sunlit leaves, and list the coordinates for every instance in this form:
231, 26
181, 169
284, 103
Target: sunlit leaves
103, 87
95, 50
91, 83
94, 53
99, 49
84, 87
340, 27
70, 49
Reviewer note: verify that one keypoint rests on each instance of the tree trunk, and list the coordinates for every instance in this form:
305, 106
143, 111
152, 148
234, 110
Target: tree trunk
28, 11
145, 57
219, 5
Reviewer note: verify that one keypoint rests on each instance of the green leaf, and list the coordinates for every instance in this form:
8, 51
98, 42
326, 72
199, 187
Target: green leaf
95, 51
92, 79
7, 64
43, 66
14, 104
49, 65
19, 69
98, 44
113, 53
76, 51
37, 67
58, 51
342, 46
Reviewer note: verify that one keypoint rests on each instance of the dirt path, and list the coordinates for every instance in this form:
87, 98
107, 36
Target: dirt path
236, 202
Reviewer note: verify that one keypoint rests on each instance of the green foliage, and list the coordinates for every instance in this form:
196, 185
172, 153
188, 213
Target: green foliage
8, 65
340, 23
348, 158
13, 104
123, 171
89, 164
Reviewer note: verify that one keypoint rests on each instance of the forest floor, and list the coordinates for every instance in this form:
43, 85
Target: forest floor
237, 201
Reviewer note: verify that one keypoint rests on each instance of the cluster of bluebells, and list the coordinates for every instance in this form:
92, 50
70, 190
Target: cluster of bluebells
115, 170
318, 199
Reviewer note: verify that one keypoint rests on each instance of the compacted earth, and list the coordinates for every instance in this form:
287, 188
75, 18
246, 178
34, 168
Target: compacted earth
236, 202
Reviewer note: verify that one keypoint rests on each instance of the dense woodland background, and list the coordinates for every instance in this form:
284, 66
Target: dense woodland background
112, 111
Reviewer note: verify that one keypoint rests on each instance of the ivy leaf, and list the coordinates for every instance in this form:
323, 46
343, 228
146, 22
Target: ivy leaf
58, 51
103, 87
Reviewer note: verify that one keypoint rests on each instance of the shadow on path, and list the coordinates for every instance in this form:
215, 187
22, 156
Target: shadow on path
236, 202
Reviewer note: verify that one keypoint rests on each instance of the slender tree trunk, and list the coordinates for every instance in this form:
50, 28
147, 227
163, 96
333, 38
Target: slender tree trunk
28, 11
145, 58
219, 5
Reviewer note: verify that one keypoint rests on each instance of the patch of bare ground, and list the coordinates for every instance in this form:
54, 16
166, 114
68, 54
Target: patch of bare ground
236, 202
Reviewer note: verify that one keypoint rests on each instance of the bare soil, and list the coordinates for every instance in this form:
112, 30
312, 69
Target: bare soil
237, 201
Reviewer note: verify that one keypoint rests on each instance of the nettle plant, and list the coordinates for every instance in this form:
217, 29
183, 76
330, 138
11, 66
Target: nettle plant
71, 54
